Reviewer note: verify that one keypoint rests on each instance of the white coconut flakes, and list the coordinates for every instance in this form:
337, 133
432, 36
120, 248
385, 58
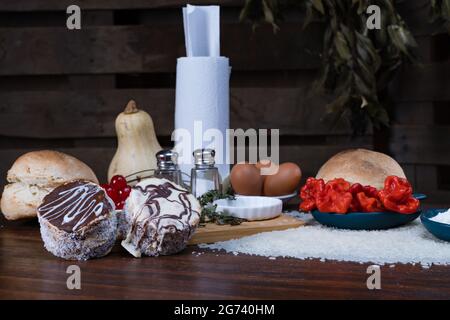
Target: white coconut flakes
410, 244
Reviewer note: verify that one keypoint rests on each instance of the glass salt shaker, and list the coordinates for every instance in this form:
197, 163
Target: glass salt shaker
204, 176
167, 166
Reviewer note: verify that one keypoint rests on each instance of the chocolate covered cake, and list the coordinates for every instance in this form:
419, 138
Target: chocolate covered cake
77, 221
162, 217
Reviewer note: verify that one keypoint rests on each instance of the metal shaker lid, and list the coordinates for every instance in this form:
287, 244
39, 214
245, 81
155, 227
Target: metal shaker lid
166, 159
204, 157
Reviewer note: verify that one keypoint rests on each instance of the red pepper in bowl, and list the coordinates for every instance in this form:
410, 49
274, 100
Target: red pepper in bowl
339, 196
365, 199
309, 192
397, 196
335, 197
369, 204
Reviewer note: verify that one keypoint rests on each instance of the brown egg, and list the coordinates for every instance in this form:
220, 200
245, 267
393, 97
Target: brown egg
265, 164
284, 182
246, 180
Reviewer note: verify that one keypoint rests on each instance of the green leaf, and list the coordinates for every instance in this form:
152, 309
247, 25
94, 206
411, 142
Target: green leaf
362, 7
245, 10
309, 15
318, 5
349, 34
269, 16
367, 75
209, 210
362, 87
397, 39
367, 51
342, 46
446, 9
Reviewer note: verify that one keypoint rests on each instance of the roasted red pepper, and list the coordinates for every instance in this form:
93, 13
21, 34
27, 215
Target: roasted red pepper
339, 185
335, 197
397, 196
365, 199
370, 191
368, 204
340, 197
309, 192
354, 190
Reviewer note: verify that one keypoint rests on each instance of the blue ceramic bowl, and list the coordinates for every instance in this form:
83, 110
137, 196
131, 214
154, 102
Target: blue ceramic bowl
366, 220
419, 196
438, 229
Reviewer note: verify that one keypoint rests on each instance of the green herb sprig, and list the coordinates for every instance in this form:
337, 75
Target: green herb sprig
209, 210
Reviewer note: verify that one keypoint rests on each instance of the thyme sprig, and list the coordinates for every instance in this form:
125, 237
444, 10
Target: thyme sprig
209, 209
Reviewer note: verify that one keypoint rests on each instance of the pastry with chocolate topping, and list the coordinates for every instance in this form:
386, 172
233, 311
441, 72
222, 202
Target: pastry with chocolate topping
162, 218
78, 221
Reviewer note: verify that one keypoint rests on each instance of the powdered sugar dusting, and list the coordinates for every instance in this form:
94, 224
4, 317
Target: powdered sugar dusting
410, 244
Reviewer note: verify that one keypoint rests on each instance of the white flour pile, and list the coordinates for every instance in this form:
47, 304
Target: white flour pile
443, 217
408, 244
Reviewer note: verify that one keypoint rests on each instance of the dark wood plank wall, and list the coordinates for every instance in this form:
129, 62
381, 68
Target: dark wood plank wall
420, 133
62, 89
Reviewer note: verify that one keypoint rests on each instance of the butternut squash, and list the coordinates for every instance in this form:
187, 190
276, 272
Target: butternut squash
137, 142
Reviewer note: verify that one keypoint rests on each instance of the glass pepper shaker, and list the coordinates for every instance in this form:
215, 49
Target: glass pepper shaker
204, 176
167, 166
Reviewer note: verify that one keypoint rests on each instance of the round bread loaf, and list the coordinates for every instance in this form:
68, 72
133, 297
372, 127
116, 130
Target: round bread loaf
33, 175
162, 218
361, 166
49, 168
77, 221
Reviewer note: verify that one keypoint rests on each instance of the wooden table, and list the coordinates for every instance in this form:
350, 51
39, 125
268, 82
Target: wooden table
28, 271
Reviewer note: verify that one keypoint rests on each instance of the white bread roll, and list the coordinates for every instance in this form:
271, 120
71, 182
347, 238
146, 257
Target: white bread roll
361, 166
20, 200
49, 168
33, 175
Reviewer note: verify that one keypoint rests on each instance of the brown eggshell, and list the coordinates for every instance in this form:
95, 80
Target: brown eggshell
246, 180
265, 163
284, 182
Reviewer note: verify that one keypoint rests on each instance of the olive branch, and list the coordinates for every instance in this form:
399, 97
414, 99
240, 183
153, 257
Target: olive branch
357, 63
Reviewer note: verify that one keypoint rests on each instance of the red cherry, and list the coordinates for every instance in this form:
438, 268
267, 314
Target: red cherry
112, 193
120, 204
118, 182
107, 188
104, 185
124, 193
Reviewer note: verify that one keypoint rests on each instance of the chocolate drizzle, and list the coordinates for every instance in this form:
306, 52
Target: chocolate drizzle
74, 205
177, 219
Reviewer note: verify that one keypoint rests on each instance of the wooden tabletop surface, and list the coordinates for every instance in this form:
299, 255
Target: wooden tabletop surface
28, 271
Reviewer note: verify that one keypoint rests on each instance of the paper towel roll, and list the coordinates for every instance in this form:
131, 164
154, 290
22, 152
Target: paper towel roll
202, 104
